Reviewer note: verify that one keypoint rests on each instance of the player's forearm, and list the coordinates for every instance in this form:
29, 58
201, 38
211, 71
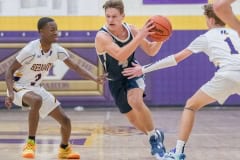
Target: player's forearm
9, 80
85, 74
128, 49
224, 12
163, 63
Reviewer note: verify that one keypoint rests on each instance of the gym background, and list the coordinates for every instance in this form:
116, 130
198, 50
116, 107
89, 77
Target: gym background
79, 20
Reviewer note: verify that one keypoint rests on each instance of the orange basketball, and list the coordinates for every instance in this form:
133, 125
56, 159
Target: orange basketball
162, 29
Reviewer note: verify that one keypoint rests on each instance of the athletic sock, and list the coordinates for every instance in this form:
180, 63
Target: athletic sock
180, 146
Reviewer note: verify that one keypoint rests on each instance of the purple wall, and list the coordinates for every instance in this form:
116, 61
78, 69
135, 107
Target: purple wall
170, 86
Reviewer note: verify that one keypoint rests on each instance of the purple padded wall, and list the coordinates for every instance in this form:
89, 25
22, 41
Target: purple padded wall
170, 86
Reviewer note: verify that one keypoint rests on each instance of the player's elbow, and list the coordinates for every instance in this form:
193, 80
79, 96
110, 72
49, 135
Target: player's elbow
152, 52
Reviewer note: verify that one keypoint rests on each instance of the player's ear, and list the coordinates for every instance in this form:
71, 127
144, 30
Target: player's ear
123, 15
40, 31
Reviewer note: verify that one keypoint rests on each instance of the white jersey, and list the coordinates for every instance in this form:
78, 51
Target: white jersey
222, 45
35, 63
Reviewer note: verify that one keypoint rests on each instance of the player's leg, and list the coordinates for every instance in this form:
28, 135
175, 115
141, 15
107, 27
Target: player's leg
218, 89
143, 116
34, 101
193, 104
135, 99
65, 150
133, 119
65, 124
119, 94
51, 107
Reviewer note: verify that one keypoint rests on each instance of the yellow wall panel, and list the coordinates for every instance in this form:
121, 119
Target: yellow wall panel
27, 23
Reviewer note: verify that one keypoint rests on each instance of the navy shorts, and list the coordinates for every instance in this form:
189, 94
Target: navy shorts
119, 89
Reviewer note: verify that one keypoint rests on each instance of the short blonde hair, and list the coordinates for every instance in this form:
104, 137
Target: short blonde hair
117, 4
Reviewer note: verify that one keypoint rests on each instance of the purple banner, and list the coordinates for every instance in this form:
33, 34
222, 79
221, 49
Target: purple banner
174, 1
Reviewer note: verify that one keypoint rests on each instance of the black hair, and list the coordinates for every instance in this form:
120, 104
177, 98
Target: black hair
43, 21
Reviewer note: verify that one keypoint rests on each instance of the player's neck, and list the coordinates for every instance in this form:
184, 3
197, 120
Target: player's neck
120, 33
45, 46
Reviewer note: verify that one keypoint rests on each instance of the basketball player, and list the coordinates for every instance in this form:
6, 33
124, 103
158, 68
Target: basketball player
115, 44
24, 77
222, 45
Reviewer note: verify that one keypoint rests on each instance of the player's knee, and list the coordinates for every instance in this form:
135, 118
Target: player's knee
191, 105
135, 102
37, 102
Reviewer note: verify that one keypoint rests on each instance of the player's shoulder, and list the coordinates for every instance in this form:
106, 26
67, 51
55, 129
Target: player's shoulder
213, 33
103, 31
232, 32
56, 45
32, 44
30, 47
102, 35
58, 48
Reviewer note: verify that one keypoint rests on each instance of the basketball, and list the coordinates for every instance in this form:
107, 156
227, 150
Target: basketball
162, 29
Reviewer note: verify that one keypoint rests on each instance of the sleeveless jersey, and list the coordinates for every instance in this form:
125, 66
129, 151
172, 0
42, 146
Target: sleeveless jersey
221, 45
35, 63
113, 67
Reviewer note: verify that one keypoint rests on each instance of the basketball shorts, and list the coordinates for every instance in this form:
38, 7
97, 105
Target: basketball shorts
49, 102
120, 88
222, 85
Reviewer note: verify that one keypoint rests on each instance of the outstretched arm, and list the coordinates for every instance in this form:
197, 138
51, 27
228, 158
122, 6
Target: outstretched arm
166, 62
223, 10
81, 71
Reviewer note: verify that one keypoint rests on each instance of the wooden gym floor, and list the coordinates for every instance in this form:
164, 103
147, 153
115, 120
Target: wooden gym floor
105, 134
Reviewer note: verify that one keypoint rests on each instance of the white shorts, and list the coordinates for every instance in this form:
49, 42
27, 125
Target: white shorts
222, 85
49, 102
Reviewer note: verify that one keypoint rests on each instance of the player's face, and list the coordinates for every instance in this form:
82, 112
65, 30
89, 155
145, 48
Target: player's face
114, 18
49, 32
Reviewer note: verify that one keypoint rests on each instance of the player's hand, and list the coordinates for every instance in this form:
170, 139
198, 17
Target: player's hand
9, 101
147, 29
134, 71
101, 79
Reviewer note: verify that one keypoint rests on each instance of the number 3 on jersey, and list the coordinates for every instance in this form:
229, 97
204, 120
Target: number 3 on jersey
37, 77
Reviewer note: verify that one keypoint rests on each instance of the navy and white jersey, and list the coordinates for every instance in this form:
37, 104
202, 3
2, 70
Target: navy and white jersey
112, 66
221, 45
35, 63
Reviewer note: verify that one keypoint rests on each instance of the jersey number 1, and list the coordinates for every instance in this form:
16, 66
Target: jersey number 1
230, 44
